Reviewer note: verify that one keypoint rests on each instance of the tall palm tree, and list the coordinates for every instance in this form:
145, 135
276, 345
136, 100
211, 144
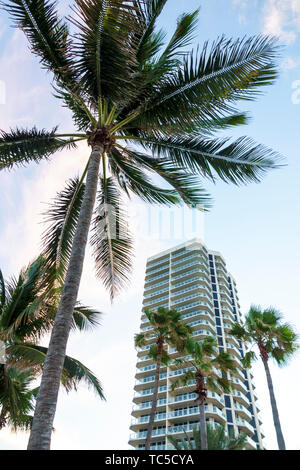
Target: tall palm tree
275, 339
208, 368
168, 329
143, 105
217, 439
27, 312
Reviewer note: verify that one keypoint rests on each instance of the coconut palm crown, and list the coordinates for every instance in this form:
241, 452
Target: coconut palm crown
145, 105
126, 85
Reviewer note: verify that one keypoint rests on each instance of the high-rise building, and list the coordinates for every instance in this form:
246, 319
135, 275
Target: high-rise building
194, 281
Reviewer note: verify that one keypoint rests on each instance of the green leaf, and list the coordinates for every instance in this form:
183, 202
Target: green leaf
74, 372
133, 179
22, 146
241, 161
85, 318
105, 56
185, 184
111, 242
62, 217
47, 35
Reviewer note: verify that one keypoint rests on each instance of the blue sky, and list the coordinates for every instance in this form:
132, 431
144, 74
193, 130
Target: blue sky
255, 227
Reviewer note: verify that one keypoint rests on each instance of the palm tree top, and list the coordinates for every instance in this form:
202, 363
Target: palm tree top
27, 312
151, 105
167, 327
123, 82
205, 362
268, 330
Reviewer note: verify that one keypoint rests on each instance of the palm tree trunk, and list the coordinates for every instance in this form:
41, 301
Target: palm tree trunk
203, 432
280, 439
160, 344
40, 436
202, 396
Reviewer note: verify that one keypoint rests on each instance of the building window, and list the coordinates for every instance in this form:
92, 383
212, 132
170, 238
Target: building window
227, 401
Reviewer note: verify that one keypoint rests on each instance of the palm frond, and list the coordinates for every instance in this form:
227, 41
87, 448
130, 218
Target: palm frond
104, 53
25, 355
247, 360
62, 217
75, 372
81, 117
111, 242
149, 42
227, 72
241, 161
182, 37
22, 146
85, 318
48, 36
22, 296
185, 184
133, 179
16, 397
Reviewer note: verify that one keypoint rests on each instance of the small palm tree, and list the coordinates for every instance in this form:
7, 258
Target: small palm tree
208, 368
142, 105
274, 339
168, 329
217, 439
27, 312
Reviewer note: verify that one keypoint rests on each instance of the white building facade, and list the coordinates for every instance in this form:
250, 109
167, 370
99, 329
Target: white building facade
194, 281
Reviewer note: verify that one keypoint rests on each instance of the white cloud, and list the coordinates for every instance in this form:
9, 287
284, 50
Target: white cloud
289, 64
282, 19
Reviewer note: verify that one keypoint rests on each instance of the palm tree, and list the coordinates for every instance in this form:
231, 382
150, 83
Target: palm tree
168, 329
217, 439
274, 339
27, 312
142, 105
208, 368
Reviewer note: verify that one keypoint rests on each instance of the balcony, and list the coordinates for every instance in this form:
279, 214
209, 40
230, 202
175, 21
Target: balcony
196, 287
145, 419
245, 426
136, 436
240, 397
241, 410
140, 395
199, 313
139, 384
146, 406
198, 280
239, 384
210, 411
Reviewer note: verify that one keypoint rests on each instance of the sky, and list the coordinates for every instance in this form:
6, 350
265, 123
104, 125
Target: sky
255, 227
